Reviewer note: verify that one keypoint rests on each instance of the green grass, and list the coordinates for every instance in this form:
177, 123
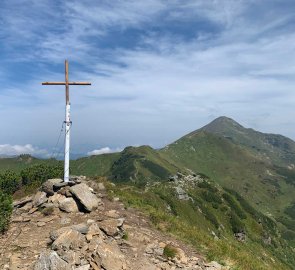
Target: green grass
169, 251
190, 222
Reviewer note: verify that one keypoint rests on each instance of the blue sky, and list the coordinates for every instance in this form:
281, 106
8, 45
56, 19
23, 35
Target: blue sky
159, 69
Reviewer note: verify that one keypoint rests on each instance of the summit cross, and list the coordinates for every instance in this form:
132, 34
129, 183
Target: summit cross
67, 121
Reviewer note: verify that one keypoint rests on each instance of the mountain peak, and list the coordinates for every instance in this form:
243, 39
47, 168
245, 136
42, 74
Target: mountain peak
221, 124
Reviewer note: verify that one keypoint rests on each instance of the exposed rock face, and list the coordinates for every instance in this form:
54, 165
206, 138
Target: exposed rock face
181, 194
68, 205
51, 261
83, 194
241, 236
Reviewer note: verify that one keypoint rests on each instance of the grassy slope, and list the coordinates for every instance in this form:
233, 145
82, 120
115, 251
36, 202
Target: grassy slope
141, 164
94, 165
234, 167
16, 164
194, 221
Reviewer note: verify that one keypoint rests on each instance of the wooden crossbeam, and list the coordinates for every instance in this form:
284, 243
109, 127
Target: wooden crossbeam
64, 83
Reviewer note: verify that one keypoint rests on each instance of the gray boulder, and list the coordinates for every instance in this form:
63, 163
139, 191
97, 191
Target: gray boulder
111, 227
51, 261
48, 185
69, 240
68, 205
83, 194
39, 198
111, 256
181, 194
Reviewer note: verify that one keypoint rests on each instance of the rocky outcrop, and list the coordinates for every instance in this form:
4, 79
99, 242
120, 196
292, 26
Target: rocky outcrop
96, 240
181, 194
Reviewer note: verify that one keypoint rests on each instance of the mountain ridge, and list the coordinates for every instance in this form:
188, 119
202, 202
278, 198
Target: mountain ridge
221, 175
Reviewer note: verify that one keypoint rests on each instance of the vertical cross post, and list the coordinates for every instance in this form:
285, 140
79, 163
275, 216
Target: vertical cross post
67, 121
68, 126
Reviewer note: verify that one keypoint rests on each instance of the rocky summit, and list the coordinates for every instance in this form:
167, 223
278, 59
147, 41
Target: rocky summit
76, 225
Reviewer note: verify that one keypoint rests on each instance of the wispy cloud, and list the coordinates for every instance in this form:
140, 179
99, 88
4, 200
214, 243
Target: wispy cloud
104, 150
15, 150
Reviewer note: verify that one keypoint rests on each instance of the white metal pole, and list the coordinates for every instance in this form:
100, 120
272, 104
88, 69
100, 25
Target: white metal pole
67, 144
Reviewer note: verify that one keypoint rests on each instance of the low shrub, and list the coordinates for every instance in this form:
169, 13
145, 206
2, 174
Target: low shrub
207, 185
211, 197
209, 215
47, 211
236, 224
169, 251
234, 206
288, 235
125, 236
10, 182
40, 173
5, 210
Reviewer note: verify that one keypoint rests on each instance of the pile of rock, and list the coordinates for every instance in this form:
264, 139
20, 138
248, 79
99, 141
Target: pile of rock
73, 196
90, 245
86, 231
186, 180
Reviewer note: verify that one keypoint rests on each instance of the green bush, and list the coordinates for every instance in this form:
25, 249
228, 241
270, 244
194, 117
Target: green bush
207, 185
211, 197
234, 206
48, 211
169, 251
245, 205
125, 236
40, 173
290, 211
10, 182
209, 215
236, 224
288, 235
5, 210
155, 169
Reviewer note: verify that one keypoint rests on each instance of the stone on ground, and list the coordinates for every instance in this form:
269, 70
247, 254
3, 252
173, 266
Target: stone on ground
51, 261
111, 256
48, 185
68, 205
70, 239
85, 196
39, 198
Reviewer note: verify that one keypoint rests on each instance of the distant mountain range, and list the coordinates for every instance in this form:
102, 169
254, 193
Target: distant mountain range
256, 168
259, 166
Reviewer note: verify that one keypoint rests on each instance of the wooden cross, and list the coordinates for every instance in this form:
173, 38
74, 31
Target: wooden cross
68, 120
66, 82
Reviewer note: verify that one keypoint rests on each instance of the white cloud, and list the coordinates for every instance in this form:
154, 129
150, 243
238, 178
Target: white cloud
104, 150
15, 150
